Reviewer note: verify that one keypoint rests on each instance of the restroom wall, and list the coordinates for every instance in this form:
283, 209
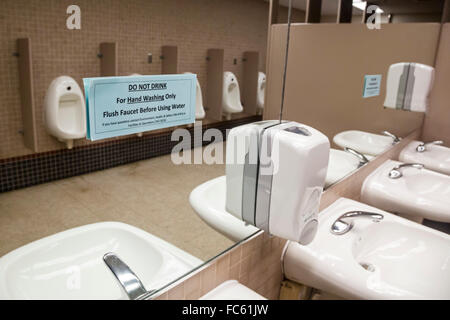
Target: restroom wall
437, 119
256, 263
326, 68
138, 26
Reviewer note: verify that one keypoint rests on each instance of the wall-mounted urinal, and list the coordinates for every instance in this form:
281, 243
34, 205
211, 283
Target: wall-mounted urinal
261, 92
199, 109
231, 96
65, 110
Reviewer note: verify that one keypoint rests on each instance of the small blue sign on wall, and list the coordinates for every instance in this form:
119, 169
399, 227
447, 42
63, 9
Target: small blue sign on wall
118, 106
372, 85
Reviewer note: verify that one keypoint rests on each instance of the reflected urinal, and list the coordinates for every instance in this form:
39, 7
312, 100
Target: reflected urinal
261, 91
231, 96
199, 109
65, 110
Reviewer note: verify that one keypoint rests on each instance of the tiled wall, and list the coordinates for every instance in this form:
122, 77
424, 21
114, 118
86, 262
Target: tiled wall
256, 264
138, 26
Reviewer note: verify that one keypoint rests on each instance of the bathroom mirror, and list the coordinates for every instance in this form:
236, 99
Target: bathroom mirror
134, 191
333, 85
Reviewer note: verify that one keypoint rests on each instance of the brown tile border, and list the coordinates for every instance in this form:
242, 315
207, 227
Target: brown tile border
38, 168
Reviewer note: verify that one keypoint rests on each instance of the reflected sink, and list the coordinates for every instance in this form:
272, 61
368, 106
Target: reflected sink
435, 157
69, 264
418, 192
364, 142
208, 201
340, 164
232, 290
392, 259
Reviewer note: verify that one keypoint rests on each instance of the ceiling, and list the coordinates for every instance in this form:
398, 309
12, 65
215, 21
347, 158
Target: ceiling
329, 7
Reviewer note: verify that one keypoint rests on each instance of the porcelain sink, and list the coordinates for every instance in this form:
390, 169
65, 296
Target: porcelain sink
340, 164
69, 264
232, 290
418, 192
208, 201
392, 259
364, 142
435, 157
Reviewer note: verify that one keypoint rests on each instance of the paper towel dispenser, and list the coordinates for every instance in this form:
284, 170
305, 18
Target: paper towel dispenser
275, 174
408, 86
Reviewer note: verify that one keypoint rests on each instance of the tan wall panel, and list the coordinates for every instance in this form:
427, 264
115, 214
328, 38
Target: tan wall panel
326, 69
437, 120
138, 26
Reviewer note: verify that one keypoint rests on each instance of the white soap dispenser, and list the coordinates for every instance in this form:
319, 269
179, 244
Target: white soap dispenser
282, 195
242, 165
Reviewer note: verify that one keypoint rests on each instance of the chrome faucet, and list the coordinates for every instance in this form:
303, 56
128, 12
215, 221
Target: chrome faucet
345, 222
127, 278
396, 173
391, 135
362, 158
423, 146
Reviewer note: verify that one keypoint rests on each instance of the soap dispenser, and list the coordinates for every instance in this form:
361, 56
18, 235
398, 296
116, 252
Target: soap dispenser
282, 195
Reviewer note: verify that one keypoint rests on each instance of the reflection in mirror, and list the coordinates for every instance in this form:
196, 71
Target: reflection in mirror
333, 86
144, 198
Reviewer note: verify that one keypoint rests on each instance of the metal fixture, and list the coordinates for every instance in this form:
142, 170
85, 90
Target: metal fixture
423, 146
345, 222
149, 58
362, 158
127, 278
391, 135
396, 173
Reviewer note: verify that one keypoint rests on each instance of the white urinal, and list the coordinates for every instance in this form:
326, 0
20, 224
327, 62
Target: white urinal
65, 110
199, 109
261, 91
231, 97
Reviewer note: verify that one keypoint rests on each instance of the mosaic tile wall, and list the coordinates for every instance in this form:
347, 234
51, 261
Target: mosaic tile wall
24, 171
138, 26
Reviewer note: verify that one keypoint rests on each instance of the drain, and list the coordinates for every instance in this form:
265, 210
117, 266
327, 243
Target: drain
368, 266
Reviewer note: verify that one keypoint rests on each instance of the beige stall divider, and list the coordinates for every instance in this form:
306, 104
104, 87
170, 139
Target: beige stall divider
27, 93
437, 119
326, 68
109, 65
214, 83
169, 57
250, 81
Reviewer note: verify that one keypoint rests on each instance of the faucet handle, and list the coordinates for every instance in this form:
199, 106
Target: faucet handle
391, 135
341, 226
396, 173
423, 146
126, 277
362, 158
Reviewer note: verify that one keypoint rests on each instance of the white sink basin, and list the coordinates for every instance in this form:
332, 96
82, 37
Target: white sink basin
364, 142
232, 290
418, 192
435, 157
69, 264
340, 164
208, 201
392, 259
